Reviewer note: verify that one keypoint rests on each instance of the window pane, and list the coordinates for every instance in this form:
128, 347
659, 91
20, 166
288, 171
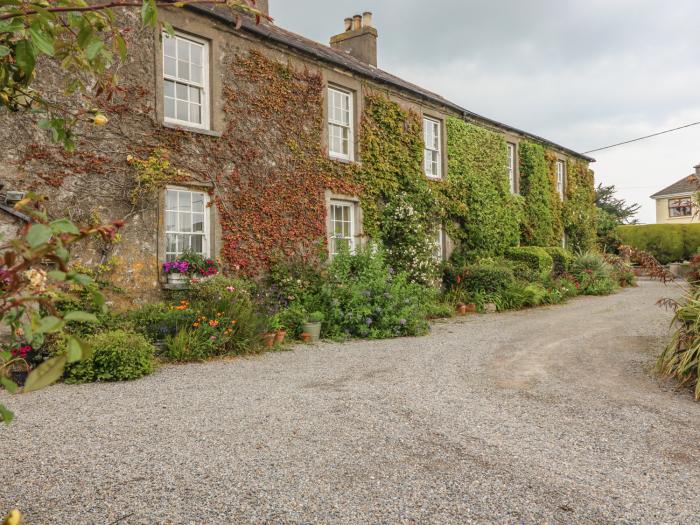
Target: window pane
197, 74
183, 49
170, 107
183, 243
185, 201
170, 200
198, 222
181, 91
195, 114
169, 88
183, 70
196, 54
169, 67
182, 113
197, 243
194, 95
170, 243
170, 221
198, 202
168, 46
185, 222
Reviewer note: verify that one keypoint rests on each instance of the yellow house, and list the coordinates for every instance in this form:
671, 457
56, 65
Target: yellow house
676, 203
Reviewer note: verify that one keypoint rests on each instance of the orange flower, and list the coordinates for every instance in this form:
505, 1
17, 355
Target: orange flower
234, 321
195, 325
219, 314
213, 323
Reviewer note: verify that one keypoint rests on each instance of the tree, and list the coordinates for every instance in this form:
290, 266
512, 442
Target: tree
611, 212
85, 42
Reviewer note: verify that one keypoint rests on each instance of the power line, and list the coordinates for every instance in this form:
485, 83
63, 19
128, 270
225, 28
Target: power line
642, 138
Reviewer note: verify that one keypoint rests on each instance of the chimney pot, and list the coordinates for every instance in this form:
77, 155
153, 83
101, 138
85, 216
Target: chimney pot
348, 24
366, 19
356, 23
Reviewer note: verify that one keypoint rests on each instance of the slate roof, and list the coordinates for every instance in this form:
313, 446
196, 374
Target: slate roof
343, 60
689, 184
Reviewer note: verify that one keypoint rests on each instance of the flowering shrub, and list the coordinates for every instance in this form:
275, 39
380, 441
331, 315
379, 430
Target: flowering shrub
364, 297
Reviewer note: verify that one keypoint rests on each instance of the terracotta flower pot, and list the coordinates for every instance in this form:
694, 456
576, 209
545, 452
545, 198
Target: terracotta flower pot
269, 339
461, 309
471, 308
306, 337
279, 336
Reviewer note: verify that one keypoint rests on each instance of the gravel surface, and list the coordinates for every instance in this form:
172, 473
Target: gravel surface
548, 415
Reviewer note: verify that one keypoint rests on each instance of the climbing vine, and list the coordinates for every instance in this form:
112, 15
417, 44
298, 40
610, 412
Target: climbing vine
482, 213
579, 212
536, 188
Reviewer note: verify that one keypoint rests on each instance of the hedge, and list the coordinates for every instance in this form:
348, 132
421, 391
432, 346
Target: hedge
562, 258
667, 242
535, 257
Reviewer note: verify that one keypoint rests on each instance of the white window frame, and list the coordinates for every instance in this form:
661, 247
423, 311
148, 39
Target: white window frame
350, 155
512, 150
436, 125
440, 245
680, 206
203, 86
206, 237
331, 223
561, 178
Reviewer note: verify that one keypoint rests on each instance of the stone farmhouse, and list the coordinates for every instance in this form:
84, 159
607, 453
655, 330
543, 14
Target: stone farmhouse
246, 143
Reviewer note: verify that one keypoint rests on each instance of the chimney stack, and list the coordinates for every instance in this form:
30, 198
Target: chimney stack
359, 39
263, 6
697, 171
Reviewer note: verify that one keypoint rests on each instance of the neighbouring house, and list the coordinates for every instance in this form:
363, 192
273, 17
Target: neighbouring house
675, 203
253, 143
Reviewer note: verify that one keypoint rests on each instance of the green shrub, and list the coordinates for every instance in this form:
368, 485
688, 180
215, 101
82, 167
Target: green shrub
188, 345
535, 294
593, 274
561, 258
364, 297
535, 186
667, 242
535, 257
681, 358
157, 321
486, 279
116, 356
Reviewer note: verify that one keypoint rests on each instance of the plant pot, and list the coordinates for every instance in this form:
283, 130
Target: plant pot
279, 336
305, 337
178, 278
269, 339
313, 329
461, 309
471, 308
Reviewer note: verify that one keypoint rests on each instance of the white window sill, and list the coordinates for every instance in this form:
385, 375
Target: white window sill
201, 131
343, 160
433, 177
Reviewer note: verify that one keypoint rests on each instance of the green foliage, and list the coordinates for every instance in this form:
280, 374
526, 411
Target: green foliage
535, 187
579, 213
611, 212
667, 242
483, 278
681, 358
157, 321
116, 356
561, 258
364, 298
535, 257
482, 214
593, 274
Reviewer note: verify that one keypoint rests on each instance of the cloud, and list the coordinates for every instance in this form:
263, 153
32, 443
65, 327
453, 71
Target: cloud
582, 74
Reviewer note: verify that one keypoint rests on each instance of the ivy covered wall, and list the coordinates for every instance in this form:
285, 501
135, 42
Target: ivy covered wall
482, 214
579, 207
535, 186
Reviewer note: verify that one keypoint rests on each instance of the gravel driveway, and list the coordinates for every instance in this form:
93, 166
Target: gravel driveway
547, 415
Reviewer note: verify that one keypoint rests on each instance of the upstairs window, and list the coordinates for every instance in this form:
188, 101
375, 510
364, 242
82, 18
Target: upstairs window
186, 223
561, 178
680, 207
340, 124
186, 81
433, 146
342, 224
511, 166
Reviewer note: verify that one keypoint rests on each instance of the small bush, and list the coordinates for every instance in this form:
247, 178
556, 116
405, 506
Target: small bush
667, 242
593, 274
535, 294
535, 257
486, 279
681, 358
116, 356
364, 297
188, 345
158, 321
561, 258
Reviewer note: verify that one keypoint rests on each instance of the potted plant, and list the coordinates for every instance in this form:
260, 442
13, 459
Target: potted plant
278, 329
313, 325
305, 337
177, 272
200, 267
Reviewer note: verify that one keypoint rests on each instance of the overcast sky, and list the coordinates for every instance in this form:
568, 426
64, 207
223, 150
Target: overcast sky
583, 74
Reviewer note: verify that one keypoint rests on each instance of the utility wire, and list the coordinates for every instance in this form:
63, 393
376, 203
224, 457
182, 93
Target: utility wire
641, 138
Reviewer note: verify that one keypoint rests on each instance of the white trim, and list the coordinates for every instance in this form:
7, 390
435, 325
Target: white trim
440, 253
512, 153
206, 234
351, 218
203, 86
350, 126
673, 195
437, 126
561, 178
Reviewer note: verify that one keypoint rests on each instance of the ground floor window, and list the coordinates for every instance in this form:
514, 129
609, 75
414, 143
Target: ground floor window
186, 223
342, 226
440, 245
680, 207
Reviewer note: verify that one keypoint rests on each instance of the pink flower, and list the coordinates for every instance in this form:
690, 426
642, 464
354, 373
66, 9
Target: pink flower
230, 289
